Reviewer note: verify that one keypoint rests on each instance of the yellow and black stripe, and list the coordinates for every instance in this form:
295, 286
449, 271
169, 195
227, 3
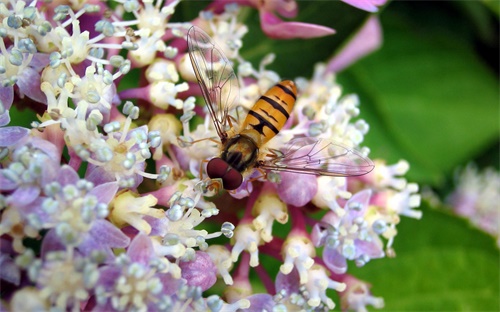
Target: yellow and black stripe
272, 110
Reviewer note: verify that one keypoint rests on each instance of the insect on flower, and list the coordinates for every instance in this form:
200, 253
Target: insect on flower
243, 144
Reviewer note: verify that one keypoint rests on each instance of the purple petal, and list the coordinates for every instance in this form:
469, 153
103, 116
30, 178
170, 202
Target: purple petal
39, 61
275, 28
200, 272
24, 195
141, 249
51, 242
170, 285
373, 249
12, 135
105, 192
29, 85
297, 189
334, 261
9, 271
98, 175
104, 231
367, 5
289, 282
260, 302
67, 176
6, 184
4, 119
108, 275
6, 97
367, 40
47, 147
362, 199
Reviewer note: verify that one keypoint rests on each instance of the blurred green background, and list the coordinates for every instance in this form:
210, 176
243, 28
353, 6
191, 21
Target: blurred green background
430, 96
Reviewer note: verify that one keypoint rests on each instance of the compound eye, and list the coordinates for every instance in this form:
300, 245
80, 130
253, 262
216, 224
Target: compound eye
216, 168
232, 179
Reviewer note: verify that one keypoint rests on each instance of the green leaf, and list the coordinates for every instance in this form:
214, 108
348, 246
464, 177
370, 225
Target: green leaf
427, 97
442, 264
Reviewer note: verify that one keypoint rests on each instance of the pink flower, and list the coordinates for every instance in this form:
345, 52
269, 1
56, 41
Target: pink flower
367, 40
276, 28
367, 5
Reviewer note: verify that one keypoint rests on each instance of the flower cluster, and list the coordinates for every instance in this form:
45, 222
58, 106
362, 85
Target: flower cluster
105, 204
475, 196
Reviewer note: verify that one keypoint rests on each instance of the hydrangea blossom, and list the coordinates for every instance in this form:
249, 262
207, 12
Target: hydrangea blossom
105, 204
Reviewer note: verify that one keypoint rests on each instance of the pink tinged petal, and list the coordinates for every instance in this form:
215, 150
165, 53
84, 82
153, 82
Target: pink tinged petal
67, 175
48, 148
275, 28
360, 199
12, 135
105, 192
200, 272
367, 5
297, 189
287, 8
9, 271
260, 302
29, 85
334, 261
98, 175
318, 235
367, 40
6, 97
141, 249
24, 195
372, 249
289, 282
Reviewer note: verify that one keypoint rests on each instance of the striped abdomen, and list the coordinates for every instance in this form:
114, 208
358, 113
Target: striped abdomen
272, 110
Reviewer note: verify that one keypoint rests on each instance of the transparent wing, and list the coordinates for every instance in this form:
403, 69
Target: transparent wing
216, 78
319, 157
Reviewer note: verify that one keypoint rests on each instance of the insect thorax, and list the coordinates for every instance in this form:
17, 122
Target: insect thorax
240, 152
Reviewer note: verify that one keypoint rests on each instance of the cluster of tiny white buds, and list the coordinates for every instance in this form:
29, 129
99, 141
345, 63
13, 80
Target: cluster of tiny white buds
178, 205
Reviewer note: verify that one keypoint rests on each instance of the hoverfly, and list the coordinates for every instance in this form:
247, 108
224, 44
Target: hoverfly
243, 146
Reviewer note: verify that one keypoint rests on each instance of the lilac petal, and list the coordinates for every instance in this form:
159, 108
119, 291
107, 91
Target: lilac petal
98, 175
297, 189
67, 176
6, 97
51, 242
104, 231
275, 28
170, 285
39, 61
24, 195
360, 199
105, 192
4, 119
260, 302
367, 5
6, 184
12, 135
318, 235
367, 40
141, 249
289, 282
373, 248
334, 261
200, 272
108, 275
29, 85
9, 271
47, 147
